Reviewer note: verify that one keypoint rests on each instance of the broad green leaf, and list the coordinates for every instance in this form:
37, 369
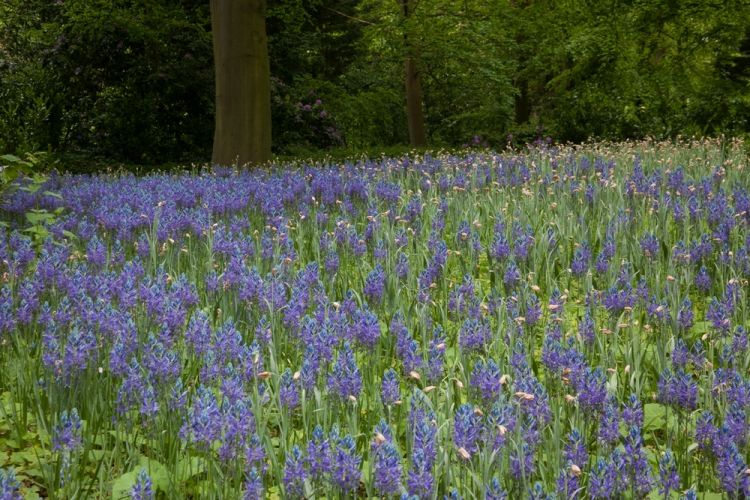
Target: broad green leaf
189, 467
158, 472
122, 485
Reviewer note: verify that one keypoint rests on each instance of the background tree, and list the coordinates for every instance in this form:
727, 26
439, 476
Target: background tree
134, 81
412, 78
243, 86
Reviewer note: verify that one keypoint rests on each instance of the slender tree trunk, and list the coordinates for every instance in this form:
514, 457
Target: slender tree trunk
414, 112
522, 103
243, 86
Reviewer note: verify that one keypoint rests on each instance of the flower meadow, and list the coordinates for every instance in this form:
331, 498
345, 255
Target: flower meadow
562, 322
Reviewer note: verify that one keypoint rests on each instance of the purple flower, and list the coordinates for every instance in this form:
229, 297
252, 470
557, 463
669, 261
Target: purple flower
719, 315
632, 412
474, 335
678, 389
512, 275
486, 379
67, 433
609, 430
636, 463
494, 490
650, 246
345, 381
603, 480
575, 451
581, 260
294, 474
669, 479
288, 390
9, 485
318, 454
731, 469
345, 472
388, 470
436, 355
367, 328
390, 392
467, 427
253, 486
142, 489
685, 315
402, 266
375, 285
703, 280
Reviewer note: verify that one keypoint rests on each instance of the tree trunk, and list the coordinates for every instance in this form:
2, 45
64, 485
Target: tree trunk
414, 113
242, 132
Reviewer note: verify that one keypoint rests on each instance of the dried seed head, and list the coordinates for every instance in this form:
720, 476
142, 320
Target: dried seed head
379, 439
464, 454
575, 470
525, 396
415, 375
429, 389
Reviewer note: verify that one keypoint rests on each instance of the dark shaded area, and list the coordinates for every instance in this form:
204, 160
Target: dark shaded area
133, 80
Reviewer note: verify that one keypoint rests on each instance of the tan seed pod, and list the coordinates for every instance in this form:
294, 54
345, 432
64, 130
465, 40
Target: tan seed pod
352, 398
379, 438
264, 375
524, 396
429, 389
570, 399
504, 379
415, 375
464, 454
575, 470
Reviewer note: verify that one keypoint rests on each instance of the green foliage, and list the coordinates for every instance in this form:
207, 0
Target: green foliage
28, 175
133, 81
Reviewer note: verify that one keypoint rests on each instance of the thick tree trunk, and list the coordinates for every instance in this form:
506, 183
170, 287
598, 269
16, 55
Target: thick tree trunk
414, 113
243, 87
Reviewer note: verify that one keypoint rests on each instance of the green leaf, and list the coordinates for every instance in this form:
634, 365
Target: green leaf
122, 485
654, 417
11, 158
189, 467
157, 471
53, 194
39, 217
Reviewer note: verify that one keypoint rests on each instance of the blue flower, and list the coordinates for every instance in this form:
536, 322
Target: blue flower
294, 474
9, 485
142, 489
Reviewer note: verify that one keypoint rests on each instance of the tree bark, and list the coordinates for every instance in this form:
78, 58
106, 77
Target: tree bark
414, 112
242, 132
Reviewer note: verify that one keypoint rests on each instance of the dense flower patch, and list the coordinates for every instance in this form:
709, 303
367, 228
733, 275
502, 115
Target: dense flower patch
559, 323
